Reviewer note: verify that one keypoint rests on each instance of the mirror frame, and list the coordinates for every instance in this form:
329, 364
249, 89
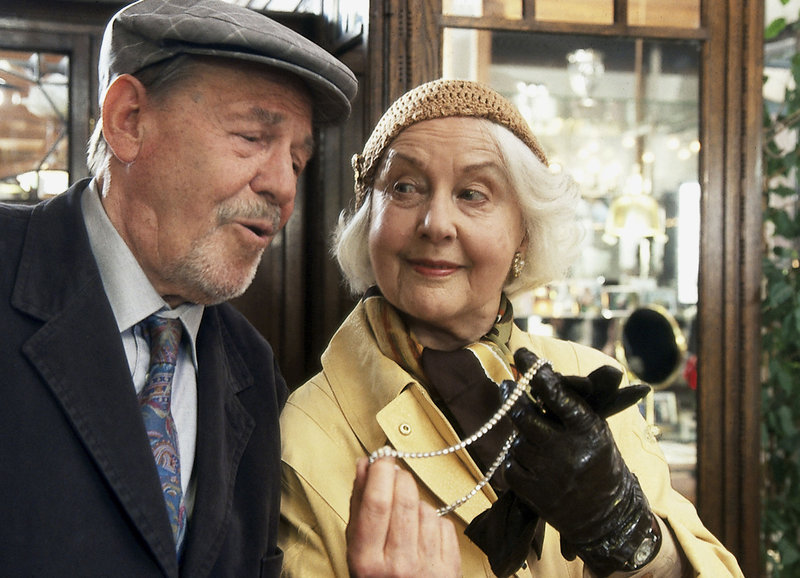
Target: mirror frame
401, 56
678, 340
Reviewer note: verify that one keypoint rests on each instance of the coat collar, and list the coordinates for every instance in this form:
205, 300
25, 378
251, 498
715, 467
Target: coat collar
391, 406
56, 265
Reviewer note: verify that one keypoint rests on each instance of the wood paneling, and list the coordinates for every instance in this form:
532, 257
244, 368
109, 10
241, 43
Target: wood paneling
729, 474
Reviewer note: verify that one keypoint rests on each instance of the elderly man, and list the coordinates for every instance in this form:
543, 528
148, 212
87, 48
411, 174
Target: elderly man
140, 412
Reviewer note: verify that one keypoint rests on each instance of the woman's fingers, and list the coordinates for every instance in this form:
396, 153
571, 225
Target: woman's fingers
391, 532
438, 544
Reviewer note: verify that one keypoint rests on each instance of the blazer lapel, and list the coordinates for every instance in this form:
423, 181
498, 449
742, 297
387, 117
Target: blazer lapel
224, 427
86, 371
80, 356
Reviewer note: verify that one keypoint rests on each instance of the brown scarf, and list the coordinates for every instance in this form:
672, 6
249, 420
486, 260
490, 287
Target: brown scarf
463, 383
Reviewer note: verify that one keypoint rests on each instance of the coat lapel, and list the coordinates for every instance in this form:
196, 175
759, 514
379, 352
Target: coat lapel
397, 409
79, 354
224, 428
412, 423
98, 396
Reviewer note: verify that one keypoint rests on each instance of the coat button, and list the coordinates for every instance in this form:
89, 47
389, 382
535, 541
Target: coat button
405, 429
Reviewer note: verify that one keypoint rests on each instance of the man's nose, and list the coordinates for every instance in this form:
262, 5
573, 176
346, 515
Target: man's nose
276, 178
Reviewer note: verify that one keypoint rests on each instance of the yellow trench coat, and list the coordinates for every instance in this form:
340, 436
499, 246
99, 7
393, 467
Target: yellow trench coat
362, 400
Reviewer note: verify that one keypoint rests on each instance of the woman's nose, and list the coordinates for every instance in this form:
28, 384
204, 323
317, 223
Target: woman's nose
438, 219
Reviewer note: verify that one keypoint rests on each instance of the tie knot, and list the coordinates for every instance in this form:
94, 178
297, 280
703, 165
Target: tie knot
165, 336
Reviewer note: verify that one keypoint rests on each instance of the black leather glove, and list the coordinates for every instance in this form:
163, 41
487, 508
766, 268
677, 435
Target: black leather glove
507, 531
566, 466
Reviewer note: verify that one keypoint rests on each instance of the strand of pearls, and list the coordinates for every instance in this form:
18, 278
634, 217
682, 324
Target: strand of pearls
484, 480
521, 387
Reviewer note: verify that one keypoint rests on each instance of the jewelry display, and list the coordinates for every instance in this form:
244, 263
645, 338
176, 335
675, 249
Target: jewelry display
521, 387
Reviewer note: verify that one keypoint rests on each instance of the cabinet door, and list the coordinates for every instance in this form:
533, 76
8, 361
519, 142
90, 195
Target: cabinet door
621, 116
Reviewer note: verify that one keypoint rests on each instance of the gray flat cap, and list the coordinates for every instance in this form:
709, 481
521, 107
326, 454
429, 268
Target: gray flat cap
149, 31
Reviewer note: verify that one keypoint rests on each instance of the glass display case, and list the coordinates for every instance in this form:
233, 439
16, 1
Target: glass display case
621, 117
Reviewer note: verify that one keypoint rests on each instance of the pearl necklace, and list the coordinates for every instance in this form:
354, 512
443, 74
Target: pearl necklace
521, 387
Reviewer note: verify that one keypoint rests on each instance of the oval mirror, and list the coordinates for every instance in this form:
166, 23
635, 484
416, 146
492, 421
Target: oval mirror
652, 346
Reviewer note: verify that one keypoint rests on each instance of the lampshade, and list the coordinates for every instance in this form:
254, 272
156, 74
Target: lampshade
635, 215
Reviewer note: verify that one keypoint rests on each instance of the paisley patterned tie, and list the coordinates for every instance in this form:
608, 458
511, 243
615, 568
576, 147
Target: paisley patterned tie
155, 400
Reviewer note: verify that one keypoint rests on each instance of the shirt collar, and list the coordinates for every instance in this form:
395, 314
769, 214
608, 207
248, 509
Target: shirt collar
130, 293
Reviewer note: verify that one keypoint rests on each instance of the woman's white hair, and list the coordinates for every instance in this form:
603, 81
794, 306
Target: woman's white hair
547, 200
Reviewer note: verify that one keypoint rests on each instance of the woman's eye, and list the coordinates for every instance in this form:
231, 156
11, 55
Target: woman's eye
249, 137
404, 187
473, 195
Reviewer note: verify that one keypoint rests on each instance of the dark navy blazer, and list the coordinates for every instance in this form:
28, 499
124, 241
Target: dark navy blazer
79, 492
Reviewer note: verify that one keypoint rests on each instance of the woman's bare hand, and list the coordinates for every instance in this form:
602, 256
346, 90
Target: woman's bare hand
392, 533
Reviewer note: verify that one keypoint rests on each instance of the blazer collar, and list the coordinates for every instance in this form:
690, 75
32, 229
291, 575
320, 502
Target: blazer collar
56, 264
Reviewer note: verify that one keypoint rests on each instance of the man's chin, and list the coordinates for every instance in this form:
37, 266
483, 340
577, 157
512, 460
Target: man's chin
218, 286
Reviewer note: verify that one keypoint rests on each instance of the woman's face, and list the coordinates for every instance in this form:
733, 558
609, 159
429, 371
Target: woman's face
444, 228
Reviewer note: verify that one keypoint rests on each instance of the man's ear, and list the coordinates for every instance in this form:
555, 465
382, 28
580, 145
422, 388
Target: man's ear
122, 127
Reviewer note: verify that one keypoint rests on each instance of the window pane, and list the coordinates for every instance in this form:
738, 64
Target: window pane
675, 13
509, 9
34, 143
467, 53
462, 7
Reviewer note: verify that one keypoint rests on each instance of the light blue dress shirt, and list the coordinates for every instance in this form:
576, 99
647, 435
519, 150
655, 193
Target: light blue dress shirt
132, 299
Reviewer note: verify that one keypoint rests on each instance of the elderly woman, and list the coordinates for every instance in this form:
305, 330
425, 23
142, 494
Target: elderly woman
455, 210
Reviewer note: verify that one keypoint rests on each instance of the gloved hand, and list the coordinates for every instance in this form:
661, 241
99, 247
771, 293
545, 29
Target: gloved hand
566, 466
507, 531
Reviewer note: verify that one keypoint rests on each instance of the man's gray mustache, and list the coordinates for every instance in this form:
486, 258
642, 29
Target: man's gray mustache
260, 211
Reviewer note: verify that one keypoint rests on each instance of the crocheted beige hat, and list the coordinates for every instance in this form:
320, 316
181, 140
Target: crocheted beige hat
438, 99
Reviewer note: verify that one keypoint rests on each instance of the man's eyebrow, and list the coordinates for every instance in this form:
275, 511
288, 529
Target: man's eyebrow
273, 118
265, 116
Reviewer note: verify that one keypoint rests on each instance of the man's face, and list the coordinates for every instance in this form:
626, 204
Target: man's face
214, 180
